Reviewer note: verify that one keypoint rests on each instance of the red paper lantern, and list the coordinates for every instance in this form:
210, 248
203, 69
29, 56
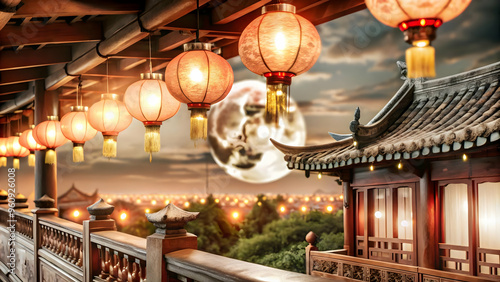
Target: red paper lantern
49, 134
3, 152
28, 141
15, 150
279, 44
418, 20
199, 78
110, 117
149, 101
76, 128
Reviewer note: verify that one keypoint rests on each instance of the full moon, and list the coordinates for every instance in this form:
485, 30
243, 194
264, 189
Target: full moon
239, 136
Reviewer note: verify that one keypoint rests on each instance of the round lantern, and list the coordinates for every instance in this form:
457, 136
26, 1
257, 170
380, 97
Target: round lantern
3, 152
279, 45
418, 20
76, 128
149, 101
199, 78
15, 150
110, 117
28, 141
49, 134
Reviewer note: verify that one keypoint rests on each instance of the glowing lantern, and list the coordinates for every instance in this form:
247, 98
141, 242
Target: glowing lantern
76, 128
418, 20
110, 117
149, 101
3, 152
28, 141
15, 150
48, 134
279, 45
199, 78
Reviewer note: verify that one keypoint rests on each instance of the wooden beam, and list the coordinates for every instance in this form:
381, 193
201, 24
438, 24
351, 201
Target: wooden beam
7, 10
13, 88
113, 70
177, 38
22, 75
231, 10
140, 50
130, 63
56, 33
65, 8
332, 9
28, 58
8, 97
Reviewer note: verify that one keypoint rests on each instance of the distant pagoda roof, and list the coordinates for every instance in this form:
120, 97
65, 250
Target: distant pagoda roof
75, 197
455, 113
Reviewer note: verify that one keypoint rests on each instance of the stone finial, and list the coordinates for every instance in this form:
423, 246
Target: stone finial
44, 202
20, 198
100, 210
171, 219
3, 194
311, 238
403, 70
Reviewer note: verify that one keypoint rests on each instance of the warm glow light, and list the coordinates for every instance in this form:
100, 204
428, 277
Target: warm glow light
422, 22
329, 208
303, 209
138, 201
259, 204
217, 201
236, 215
147, 210
341, 197
51, 133
282, 209
235, 200
404, 223
76, 213
400, 165
109, 115
320, 175
167, 202
422, 43
123, 216
378, 214
372, 167
280, 41
202, 201
279, 93
355, 143
245, 201
153, 202
307, 199
290, 200
196, 75
227, 198
186, 204
109, 200
318, 199
464, 157
79, 126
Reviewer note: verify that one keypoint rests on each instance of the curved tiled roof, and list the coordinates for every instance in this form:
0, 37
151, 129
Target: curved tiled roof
454, 113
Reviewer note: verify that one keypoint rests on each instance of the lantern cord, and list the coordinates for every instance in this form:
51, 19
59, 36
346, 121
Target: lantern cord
150, 60
197, 21
107, 75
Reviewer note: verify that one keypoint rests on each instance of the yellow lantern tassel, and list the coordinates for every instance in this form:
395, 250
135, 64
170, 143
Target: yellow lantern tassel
15, 163
109, 146
198, 124
31, 159
78, 153
152, 139
3, 161
278, 96
420, 60
50, 156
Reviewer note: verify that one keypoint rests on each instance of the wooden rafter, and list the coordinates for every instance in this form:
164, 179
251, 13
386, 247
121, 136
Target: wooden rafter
56, 33
28, 58
231, 10
22, 75
13, 88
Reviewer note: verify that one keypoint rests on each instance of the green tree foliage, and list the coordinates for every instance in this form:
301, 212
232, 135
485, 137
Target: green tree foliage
282, 242
215, 233
140, 227
260, 215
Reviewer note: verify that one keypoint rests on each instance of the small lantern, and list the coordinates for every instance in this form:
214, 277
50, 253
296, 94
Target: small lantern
15, 150
110, 117
27, 141
76, 128
199, 78
49, 134
418, 20
3, 152
279, 45
149, 101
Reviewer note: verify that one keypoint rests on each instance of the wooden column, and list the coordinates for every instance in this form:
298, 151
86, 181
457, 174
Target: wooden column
349, 231
425, 222
46, 103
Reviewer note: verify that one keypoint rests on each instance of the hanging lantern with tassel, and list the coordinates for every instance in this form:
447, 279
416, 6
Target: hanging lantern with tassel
3, 152
149, 101
76, 128
199, 78
15, 150
418, 20
279, 45
49, 134
28, 141
110, 117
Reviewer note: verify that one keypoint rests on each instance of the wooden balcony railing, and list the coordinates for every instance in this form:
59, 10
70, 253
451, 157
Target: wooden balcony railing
390, 249
454, 258
488, 263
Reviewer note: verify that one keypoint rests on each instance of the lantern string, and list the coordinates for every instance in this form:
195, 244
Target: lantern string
107, 75
197, 20
150, 60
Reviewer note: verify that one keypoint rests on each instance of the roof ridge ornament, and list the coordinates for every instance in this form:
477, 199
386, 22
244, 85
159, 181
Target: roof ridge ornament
403, 70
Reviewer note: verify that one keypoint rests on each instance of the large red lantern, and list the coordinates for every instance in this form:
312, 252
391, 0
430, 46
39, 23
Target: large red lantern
3, 152
75, 127
199, 78
279, 45
28, 141
149, 101
418, 20
110, 117
15, 150
49, 134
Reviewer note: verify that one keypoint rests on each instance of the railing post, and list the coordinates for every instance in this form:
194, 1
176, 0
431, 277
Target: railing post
169, 236
99, 221
44, 206
311, 239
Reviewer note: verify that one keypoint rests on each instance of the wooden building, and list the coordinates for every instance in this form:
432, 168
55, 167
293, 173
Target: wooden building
421, 184
72, 204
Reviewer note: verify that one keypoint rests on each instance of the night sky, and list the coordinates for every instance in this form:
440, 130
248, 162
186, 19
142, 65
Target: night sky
357, 67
